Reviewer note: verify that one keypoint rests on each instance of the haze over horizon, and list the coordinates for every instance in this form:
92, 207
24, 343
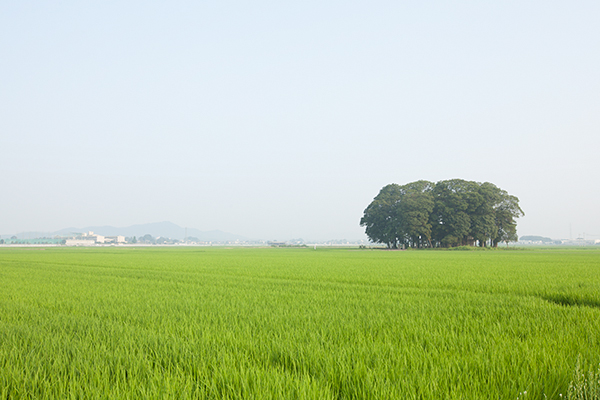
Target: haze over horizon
277, 121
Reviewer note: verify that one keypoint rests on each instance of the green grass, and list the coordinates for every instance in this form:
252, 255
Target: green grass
295, 323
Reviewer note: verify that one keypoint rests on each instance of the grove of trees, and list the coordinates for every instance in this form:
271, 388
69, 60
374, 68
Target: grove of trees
444, 214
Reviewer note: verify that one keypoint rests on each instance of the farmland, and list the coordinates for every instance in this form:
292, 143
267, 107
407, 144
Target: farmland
295, 323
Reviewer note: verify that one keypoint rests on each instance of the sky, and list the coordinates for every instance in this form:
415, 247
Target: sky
279, 120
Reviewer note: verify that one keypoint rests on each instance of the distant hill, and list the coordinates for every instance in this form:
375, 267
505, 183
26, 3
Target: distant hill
156, 229
536, 238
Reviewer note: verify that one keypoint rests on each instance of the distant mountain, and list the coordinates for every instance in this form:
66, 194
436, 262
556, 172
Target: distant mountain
163, 229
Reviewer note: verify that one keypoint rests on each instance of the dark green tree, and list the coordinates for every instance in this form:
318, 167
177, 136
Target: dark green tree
413, 211
451, 222
483, 223
380, 217
448, 213
506, 211
399, 215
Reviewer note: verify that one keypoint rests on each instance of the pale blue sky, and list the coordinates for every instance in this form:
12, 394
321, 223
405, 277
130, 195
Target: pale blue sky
276, 121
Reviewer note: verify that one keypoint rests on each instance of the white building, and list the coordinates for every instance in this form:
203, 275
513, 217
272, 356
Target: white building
90, 238
79, 242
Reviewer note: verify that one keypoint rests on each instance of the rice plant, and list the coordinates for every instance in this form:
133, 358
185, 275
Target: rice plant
210, 323
584, 386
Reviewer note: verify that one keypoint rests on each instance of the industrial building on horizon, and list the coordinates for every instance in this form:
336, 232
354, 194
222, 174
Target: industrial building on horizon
90, 239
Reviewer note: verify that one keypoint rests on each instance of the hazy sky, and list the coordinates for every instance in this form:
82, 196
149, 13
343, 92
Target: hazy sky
279, 120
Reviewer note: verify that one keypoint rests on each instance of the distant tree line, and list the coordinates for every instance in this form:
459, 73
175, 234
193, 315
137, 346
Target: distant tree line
444, 214
149, 239
538, 239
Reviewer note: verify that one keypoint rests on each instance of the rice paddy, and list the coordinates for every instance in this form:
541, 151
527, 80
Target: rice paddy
295, 323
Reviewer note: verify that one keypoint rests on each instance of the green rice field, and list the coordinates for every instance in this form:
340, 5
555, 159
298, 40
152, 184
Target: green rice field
296, 323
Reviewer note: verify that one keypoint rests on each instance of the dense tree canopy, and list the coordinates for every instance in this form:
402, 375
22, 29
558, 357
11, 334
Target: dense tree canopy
443, 214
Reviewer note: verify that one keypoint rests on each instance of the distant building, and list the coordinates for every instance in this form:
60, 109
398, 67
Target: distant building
115, 239
74, 239
80, 242
90, 238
